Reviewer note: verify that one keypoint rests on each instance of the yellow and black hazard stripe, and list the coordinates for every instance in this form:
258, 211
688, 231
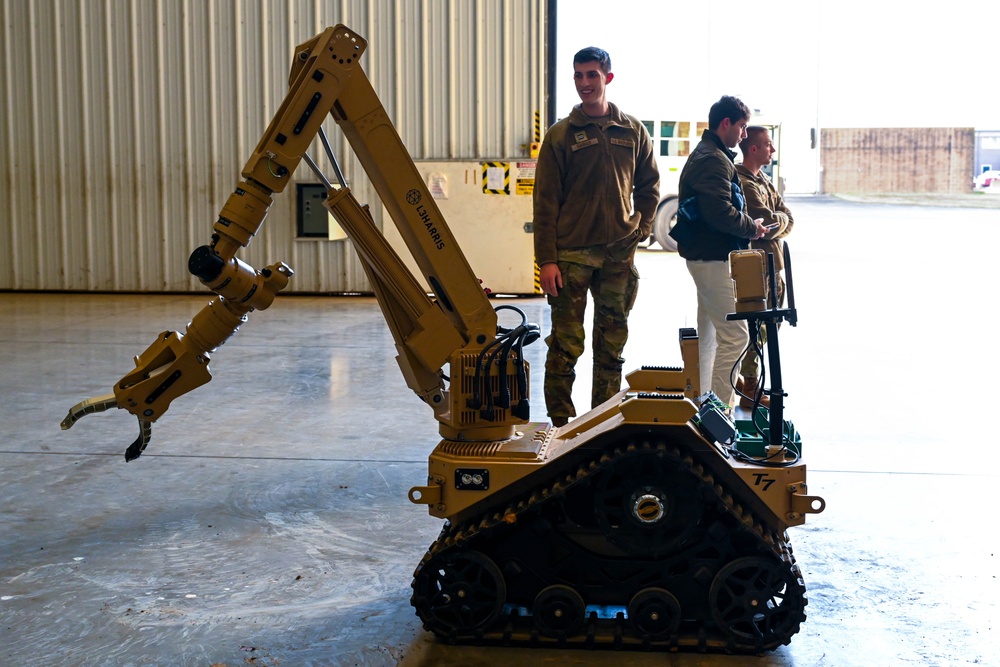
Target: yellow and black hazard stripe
536, 145
506, 178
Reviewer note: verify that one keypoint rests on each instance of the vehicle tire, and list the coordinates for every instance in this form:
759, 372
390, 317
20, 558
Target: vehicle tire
666, 218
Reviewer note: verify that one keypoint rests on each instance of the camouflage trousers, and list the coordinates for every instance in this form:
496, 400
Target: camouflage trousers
613, 282
751, 362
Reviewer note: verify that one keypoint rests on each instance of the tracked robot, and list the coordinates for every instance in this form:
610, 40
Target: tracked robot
654, 521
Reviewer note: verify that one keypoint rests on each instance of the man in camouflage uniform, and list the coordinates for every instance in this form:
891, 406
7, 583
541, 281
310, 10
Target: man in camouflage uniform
762, 201
596, 191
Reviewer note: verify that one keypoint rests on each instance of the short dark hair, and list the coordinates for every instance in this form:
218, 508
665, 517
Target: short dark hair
727, 107
592, 53
753, 132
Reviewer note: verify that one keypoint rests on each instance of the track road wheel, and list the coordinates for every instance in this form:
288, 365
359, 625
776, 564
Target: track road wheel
559, 611
654, 612
458, 593
757, 603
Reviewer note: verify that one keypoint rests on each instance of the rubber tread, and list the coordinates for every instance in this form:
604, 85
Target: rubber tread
602, 633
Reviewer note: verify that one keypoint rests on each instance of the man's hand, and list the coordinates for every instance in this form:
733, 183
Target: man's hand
761, 229
551, 278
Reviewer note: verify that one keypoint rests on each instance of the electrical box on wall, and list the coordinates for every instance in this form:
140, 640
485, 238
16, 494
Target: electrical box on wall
312, 219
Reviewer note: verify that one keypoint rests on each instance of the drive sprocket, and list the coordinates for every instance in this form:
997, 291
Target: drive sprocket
756, 603
461, 592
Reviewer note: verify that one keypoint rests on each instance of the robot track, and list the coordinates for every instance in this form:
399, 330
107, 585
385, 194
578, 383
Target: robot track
639, 548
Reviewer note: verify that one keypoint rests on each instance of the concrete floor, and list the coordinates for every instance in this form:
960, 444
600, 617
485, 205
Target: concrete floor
267, 524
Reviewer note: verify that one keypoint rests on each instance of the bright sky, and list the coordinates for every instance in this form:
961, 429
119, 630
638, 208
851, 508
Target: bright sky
803, 63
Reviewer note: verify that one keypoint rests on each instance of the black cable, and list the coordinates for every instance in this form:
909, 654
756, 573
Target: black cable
503, 393
786, 442
487, 411
475, 402
758, 348
524, 318
746, 458
506, 339
755, 342
786, 437
523, 408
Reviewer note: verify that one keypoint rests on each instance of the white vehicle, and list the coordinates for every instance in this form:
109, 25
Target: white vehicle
673, 141
988, 179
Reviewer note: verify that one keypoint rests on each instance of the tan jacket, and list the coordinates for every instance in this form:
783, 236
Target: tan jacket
591, 177
763, 201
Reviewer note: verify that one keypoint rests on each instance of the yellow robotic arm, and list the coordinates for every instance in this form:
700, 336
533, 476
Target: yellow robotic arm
457, 328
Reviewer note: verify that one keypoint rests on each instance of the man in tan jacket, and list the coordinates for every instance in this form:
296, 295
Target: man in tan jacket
762, 201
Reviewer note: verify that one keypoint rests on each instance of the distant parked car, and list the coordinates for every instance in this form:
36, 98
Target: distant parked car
987, 179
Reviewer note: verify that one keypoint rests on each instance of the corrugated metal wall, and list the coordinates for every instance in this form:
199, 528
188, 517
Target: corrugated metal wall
126, 123
890, 160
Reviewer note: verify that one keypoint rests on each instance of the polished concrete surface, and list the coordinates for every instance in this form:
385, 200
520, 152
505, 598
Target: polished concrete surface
267, 524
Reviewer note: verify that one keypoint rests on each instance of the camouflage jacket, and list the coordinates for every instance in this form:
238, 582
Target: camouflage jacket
596, 183
763, 201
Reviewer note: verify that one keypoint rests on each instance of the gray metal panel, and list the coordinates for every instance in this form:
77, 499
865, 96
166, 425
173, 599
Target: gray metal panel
126, 124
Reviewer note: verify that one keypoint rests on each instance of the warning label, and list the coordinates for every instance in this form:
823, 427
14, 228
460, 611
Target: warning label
525, 178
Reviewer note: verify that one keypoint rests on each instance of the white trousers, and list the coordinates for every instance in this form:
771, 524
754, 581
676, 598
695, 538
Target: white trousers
720, 341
